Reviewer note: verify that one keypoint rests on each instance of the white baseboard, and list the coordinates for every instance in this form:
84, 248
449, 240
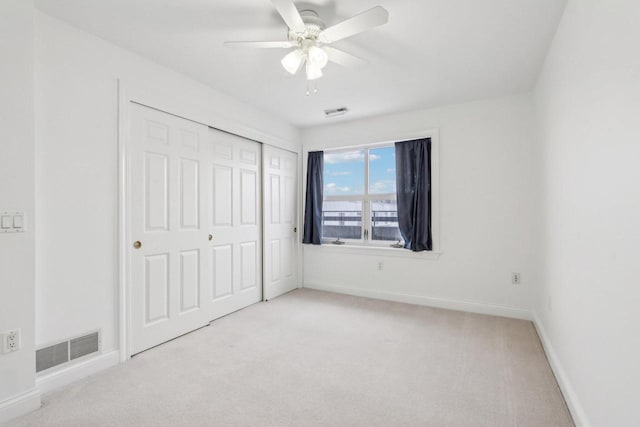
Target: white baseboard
19, 405
471, 307
76, 371
570, 396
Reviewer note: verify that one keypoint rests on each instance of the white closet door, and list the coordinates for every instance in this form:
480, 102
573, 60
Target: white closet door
280, 236
168, 232
235, 222
196, 211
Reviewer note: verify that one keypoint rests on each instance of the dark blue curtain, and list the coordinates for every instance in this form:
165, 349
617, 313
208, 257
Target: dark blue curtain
413, 183
313, 204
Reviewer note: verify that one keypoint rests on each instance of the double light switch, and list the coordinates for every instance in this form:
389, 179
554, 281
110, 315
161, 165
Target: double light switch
12, 222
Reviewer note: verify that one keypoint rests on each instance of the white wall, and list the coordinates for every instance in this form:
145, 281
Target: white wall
77, 193
493, 180
17, 189
588, 104
487, 210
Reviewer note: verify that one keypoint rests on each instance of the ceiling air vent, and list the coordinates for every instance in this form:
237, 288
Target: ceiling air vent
335, 112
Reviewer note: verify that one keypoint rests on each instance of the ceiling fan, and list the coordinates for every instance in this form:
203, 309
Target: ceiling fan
310, 38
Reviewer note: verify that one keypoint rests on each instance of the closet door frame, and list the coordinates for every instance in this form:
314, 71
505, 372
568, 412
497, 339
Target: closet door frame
171, 103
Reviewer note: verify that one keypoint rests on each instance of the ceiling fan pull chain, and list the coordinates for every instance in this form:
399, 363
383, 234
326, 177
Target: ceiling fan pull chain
309, 88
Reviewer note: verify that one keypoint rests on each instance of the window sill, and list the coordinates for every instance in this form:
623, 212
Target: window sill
373, 251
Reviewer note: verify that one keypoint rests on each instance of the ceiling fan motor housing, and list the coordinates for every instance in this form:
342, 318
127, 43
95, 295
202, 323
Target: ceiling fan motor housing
313, 26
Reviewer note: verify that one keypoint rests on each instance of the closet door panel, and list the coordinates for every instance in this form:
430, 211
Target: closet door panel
280, 232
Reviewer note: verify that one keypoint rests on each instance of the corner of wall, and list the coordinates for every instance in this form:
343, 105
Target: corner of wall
571, 398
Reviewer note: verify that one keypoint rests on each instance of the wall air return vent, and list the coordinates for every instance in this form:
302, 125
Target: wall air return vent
66, 351
335, 112
51, 356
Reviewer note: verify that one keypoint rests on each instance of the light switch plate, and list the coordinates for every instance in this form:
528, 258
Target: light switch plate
6, 222
12, 222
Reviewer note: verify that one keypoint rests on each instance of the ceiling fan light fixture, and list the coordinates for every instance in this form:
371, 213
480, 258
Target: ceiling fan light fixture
317, 57
308, 35
292, 61
313, 71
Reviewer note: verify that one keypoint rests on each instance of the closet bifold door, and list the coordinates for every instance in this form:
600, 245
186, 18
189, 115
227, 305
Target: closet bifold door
195, 225
234, 173
167, 233
280, 221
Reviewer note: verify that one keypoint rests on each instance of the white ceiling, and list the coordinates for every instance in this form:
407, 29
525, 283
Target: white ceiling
431, 53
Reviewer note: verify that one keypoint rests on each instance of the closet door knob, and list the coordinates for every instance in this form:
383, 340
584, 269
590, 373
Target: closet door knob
137, 244
210, 236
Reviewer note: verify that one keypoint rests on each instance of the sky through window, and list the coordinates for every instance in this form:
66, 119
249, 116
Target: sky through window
344, 172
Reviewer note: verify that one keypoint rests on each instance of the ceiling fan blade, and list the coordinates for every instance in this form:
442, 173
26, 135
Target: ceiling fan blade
343, 58
290, 14
362, 22
263, 45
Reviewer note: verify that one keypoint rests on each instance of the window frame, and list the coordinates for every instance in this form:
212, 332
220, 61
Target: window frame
371, 136
366, 198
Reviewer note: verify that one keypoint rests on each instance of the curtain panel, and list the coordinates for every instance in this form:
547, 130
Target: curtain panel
313, 204
413, 186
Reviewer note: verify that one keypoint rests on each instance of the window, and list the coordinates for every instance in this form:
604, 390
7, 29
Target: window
359, 203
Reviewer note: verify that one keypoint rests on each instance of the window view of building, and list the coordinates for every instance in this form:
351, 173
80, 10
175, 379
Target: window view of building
360, 195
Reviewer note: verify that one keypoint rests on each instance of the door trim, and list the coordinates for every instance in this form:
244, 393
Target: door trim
153, 98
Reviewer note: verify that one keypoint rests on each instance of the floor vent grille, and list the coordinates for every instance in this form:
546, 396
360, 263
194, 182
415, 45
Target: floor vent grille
66, 351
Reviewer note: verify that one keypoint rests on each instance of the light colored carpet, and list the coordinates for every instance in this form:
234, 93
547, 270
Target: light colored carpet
316, 358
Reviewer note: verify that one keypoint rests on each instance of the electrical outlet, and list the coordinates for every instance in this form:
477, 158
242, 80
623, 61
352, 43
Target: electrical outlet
515, 279
380, 265
11, 341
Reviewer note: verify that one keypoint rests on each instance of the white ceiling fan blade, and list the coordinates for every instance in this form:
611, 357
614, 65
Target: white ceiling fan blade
362, 22
343, 58
263, 45
290, 14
